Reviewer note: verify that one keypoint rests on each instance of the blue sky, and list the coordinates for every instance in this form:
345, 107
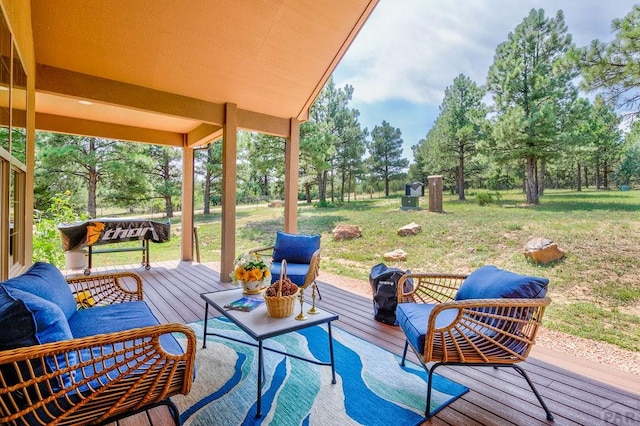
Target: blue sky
409, 51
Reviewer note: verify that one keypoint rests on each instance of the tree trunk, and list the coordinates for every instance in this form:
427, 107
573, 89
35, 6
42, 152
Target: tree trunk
265, 185
578, 178
386, 184
93, 181
92, 189
307, 192
531, 187
460, 178
586, 177
541, 172
535, 171
207, 193
352, 186
332, 186
322, 186
605, 175
598, 174
168, 206
348, 188
207, 183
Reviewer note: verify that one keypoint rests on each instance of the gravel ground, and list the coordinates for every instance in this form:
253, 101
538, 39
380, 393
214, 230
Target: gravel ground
599, 352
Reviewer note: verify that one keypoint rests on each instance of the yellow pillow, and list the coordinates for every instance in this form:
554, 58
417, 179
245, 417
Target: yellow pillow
84, 300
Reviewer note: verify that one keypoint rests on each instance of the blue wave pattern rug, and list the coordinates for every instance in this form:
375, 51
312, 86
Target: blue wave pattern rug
372, 388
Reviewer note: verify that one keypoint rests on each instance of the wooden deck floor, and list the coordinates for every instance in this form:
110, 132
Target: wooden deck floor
576, 391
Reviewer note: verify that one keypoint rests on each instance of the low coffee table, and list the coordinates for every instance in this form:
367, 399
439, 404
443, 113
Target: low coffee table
260, 326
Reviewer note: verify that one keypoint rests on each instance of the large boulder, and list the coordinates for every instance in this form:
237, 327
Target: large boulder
542, 251
395, 255
410, 229
346, 232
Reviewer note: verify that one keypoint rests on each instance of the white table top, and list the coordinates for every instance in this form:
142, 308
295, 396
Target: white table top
257, 323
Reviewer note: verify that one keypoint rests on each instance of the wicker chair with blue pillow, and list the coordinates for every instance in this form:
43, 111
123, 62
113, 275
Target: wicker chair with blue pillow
489, 318
302, 253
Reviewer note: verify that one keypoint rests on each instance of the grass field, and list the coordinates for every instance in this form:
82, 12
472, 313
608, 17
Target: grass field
595, 288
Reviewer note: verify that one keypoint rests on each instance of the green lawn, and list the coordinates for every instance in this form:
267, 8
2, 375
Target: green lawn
595, 289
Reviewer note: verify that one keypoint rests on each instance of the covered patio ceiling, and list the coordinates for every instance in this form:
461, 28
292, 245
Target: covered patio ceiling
161, 71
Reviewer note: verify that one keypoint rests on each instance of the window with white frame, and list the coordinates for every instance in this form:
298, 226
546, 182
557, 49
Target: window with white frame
13, 142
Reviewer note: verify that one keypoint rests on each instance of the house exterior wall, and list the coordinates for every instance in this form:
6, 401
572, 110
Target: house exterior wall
17, 14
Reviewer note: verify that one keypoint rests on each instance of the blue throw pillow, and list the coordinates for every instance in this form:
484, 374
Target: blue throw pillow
46, 281
490, 282
295, 248
50, 326
16, 322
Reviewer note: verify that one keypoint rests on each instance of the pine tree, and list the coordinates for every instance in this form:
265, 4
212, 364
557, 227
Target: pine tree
532, 88
613, 67
385, 152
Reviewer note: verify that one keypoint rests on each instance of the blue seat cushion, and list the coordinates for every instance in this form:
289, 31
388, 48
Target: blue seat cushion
111, 319
414, 317
295, 248
45, 319
490, 282
295, 271
46, 281
118, 317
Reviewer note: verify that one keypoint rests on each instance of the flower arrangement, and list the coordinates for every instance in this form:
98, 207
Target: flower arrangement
251, 268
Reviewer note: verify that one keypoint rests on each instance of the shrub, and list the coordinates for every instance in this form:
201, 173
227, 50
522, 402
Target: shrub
486, 197
47, 246
327, 204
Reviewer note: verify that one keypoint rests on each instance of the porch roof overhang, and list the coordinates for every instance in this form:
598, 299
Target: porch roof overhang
161, 71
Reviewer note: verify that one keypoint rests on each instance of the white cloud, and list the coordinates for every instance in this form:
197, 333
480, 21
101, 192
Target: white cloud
412, 50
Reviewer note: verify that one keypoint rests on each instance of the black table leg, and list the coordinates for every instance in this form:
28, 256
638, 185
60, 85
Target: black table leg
259, 404
206, 320
333, 365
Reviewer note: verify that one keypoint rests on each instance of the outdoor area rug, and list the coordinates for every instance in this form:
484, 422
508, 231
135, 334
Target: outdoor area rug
372, 388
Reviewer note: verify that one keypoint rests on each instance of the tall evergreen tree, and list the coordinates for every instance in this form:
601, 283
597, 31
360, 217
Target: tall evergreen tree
532, 87
350, 148
385, 152
331, 141
265, 156
212, 172
86, 158
628, 172
128, 181
579, 145
613, 67
607, 139
166, 174
462, 116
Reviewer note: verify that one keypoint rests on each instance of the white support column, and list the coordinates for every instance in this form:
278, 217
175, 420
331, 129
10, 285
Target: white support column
292, 163
229, 156
187, 204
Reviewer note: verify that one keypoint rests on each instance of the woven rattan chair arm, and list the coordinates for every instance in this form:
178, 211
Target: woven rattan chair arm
105, 289
314, 269
263, 250
490, 303
485, 304
141, 373
483, 330
430, 287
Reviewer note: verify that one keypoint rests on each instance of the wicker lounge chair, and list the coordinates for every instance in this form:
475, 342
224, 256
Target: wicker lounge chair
101, 377
444, 328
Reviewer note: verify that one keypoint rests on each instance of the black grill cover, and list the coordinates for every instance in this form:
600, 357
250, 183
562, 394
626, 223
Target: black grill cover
107, 230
